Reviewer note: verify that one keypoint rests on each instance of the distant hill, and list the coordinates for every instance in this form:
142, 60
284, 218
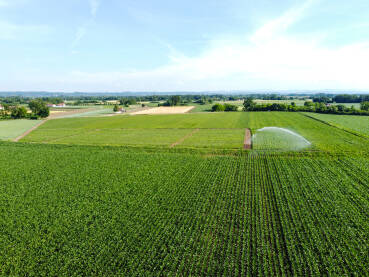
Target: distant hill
148, 93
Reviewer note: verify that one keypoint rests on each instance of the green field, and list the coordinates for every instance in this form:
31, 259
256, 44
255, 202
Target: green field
201, 108
106, 211
298, 102
275, 138
109, 130
10, 129
176, 195
359, 124
216, 138
349, 105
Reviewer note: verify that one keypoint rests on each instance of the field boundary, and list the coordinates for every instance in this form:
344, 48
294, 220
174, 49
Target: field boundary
184, 138
69, 136
337, 127
30, 130
247, 143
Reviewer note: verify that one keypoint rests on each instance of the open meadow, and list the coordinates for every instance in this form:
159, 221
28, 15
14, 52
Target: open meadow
159, 195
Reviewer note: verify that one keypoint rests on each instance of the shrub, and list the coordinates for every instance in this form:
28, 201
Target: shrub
217, 108
230, 108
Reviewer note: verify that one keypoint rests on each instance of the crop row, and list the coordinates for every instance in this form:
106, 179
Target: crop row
70, 210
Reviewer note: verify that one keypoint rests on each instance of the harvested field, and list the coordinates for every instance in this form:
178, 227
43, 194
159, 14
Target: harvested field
60, 114
165, 110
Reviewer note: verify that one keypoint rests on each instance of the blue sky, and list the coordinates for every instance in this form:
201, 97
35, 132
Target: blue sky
162, 45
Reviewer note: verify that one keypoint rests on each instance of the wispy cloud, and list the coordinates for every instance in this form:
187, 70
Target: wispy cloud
94, 6
3, 3
277, 26
269, 57
82, 30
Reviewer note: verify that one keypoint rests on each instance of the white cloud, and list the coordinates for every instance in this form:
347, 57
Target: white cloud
82, 30
270, 58
94, 6
3, 3
282, 64
275, 27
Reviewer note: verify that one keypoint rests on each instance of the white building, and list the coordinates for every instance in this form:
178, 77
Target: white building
61, 105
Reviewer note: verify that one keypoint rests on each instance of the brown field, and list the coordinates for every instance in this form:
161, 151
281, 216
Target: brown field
57, 114
165, 110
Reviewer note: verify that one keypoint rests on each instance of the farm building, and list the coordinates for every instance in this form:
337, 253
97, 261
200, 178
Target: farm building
120, 110
61, 105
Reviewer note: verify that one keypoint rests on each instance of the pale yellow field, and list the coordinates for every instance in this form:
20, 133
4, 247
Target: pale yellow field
165, 110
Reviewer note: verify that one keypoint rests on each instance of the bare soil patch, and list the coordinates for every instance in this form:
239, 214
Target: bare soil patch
165, 110
247, 143
57, 114
184, 138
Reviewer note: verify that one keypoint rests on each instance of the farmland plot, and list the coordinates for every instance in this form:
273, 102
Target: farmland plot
114, 137
10, 129
77, 210
275, 138
320, 135
359, 124
216, 138
185, 121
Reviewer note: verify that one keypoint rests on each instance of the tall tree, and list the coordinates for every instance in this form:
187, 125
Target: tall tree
18, 112
39, 108
248, 104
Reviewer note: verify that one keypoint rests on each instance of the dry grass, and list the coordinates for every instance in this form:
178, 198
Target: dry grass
166, 110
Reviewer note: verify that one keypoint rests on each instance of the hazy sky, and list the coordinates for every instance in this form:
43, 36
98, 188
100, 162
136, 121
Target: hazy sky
192, 45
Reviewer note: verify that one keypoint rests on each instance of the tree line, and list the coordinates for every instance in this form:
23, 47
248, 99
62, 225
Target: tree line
318, 107
38, 108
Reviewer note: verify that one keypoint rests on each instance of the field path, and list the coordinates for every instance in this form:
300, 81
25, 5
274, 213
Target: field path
247, 142
30, 130
184, 138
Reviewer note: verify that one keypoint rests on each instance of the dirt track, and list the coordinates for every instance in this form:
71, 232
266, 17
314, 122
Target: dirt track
29, 131
247, 144
184, 138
